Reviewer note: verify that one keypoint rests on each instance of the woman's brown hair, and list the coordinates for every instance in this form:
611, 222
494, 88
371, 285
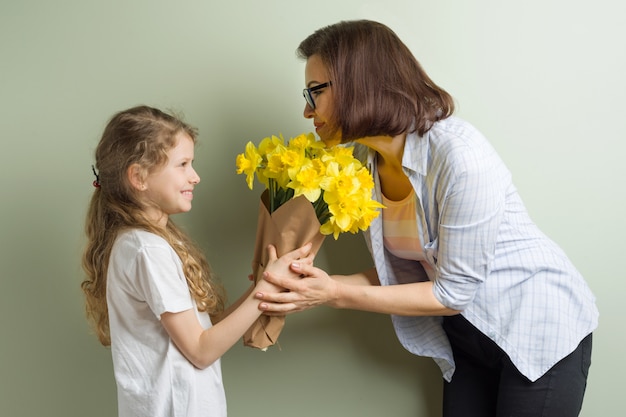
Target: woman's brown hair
140, 135
379, 86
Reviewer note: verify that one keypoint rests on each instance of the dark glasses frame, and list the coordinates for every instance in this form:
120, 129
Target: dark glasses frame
309, 97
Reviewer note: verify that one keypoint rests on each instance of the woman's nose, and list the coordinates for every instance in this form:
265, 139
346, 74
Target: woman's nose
308, 111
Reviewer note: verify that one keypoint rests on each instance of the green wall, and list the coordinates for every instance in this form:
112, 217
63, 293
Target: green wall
544, 80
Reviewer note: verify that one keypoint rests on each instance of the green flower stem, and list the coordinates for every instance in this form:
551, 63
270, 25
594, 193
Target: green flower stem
278, 195
272, 191
321, 209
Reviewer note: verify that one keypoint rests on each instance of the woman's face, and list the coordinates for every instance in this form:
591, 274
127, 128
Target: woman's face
315, 73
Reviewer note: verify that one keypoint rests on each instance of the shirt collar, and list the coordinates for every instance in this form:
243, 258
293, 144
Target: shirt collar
415, 156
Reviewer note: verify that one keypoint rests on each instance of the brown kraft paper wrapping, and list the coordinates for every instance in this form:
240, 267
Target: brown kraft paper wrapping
290, 226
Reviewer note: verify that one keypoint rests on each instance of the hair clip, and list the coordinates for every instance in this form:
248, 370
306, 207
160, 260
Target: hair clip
96, 182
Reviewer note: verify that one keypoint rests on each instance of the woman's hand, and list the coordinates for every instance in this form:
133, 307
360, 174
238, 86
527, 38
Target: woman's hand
306, 287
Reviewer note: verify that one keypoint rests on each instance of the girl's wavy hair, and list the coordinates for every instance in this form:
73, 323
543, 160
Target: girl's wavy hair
140, 135
378, 85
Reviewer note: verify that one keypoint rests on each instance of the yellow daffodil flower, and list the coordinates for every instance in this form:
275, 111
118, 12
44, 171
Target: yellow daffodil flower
332, 179
248, 162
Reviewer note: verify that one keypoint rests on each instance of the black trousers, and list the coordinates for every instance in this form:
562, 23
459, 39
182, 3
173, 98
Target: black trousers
487, 384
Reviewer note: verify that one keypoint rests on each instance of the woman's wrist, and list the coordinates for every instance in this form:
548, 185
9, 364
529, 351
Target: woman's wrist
336, 292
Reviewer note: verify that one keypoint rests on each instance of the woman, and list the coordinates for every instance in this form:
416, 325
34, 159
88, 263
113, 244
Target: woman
468, 278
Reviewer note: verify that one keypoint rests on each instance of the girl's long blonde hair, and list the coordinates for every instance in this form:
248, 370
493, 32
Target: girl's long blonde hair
140, 135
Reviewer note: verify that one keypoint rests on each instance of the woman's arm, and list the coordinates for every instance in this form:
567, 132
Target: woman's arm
202, 346
357, 292
367, 277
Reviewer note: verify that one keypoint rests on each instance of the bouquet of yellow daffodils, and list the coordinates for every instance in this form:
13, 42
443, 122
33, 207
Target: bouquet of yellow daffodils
332, 179
310, 191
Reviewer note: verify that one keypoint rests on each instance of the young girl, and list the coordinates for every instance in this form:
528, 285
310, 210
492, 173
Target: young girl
150, 292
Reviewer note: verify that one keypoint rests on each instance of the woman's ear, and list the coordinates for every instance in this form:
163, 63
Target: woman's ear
136, 177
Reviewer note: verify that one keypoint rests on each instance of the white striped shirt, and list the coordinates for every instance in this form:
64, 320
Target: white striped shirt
490, 260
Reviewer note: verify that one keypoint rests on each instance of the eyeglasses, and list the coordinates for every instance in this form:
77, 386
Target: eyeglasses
309, 97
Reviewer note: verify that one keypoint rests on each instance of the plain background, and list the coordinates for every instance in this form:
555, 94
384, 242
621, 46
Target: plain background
542, 79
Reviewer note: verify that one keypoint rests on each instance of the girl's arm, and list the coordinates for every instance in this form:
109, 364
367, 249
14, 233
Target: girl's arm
202, 346
233, 306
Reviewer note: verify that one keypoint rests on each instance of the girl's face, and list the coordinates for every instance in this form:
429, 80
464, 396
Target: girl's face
315, 73
169, 190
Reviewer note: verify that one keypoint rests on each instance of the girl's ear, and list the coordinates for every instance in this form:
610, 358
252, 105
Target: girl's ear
135, 175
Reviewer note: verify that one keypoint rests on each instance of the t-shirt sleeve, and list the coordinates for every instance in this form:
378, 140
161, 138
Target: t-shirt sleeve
160, 280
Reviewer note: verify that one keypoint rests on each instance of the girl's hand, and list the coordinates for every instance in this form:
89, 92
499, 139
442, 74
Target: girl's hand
281, 267
307, 287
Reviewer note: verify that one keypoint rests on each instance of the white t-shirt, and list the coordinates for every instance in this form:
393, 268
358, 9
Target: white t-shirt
145, 279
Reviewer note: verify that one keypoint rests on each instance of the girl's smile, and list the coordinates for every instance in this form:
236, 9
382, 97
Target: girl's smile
169, 190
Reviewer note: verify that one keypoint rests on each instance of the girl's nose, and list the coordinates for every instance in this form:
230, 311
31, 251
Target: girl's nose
195, 178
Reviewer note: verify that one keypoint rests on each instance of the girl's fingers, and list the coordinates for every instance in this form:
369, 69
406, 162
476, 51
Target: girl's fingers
305, 251
271, 250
